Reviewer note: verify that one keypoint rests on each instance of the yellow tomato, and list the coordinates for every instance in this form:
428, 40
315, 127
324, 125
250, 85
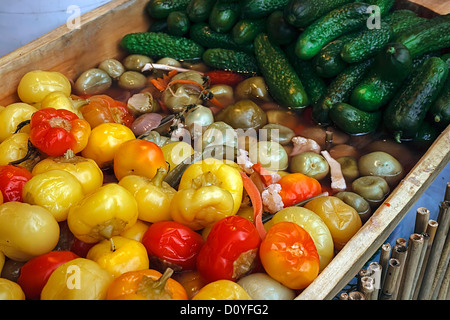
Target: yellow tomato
103, 142
118, 255
342, 220
36, 84
11, 116
137, 230
77, 279
214, 172
85, 170
59, 100
26, 230
176, 152
9, 290
314, 225
222, 290
153, 196
103, 213
15, 148
56, 190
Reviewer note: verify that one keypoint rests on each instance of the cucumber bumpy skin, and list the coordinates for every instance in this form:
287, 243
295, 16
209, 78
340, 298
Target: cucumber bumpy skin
230, 60
334, 24
159, 45
282, 80
406, 112
353, 120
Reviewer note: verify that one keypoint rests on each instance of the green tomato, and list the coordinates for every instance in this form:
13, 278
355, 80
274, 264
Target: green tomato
311, 164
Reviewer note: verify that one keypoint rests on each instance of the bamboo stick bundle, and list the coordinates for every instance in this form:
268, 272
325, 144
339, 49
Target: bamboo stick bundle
384, 261
390, 283
431, 232
425, 292
414, 250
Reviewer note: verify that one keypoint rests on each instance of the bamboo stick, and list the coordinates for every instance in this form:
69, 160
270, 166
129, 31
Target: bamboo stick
444, 289
441, 268
426, 239
447, 192
390, 283
368, 288
399, 253
422, 217
431, 232
356, 295
384, 261
343, 296
362, 273
425, 292
415, 245
376, 270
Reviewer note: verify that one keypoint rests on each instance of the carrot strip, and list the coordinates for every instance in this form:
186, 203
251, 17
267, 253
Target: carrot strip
265, 175
255, 198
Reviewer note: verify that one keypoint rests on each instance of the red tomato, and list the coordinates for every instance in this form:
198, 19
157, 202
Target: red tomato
289, 255
230, 250
54, 131
139, 157
35, 272
103, 108
172, 242
12, 180
81, 248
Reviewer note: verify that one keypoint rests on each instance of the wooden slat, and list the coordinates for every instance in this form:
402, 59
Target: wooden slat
376, 230
74, 51
438, 6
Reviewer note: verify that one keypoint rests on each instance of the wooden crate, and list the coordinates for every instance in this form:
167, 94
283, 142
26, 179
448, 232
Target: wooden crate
74, 51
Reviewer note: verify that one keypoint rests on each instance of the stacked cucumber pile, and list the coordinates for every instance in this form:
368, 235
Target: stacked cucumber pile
361, 66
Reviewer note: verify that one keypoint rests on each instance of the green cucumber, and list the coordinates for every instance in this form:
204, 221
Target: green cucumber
328, 62
160, 9
392, 66
425, 136
329, 27
301, 13
246, 30
282, 81
406, 112
159, 45
440, 110
256, 9
178, 23
314, 85
202, 34
384, 5
339, 90
353, 120
199, 10
433, 34
231, 60
279, 31
224, 15
367, 44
